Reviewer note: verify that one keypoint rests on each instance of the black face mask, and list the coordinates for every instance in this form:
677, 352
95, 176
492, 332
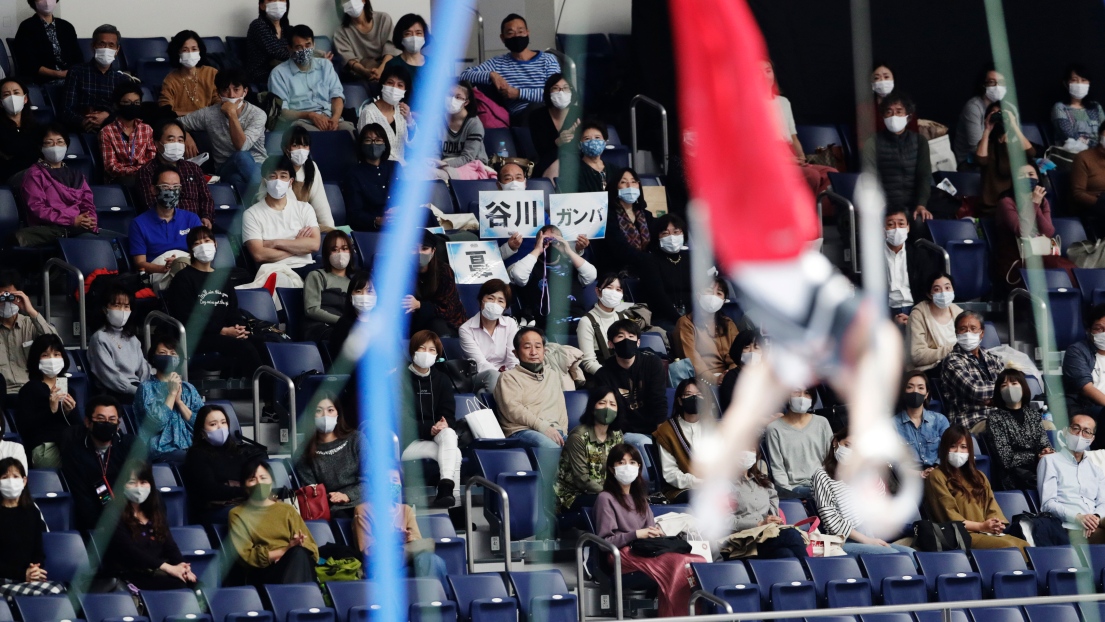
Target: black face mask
130, 112
914, 400
690, 404
372, 152
103, 430
626, 348
516, 44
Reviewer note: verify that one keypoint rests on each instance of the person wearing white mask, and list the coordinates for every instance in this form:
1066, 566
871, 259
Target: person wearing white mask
324, 290
280, 228
840, 513
956, 491
267, 39
630, 226
308, 86
158, 236
487, 337
332, 458
931, 326
676, 439
1017, 432
757, 505
1084, 368
430, 407
883, 84
308, 185
800, 440
391, 111
705, 337
670, 296
58, 199
166, 404
191, 84
89, 86
195, 196
410, 38
901, 158
114, 352
44, 410
21, 529
142, 551
363, 40
554, 128
20, 324
989, 88
361, 300
213, 466
1071, 486
622, 514
34, 52
969, 373
747, 351
906, 269
462, 136
591, 328
1079, 118
19, 130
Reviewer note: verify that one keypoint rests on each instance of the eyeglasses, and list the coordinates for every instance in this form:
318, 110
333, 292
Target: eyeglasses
1080, 431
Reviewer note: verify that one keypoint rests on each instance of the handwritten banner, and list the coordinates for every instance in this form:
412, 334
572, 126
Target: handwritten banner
505, 212
582, 213
476, 262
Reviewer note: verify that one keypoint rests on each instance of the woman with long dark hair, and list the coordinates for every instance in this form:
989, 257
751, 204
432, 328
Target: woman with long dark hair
213, 465
19, 133
114, 352
332, 458
957, 491
706, 345
462, 136
554, 127
919, 427
670, 296
1000, 134
582, 472
747, 349
1078, 118
307, 184
676, 438
325, 291
21, 530
360, 299
368, 185
1018, 432
630, 228
142, 552
435, 304
757, 505
622, 515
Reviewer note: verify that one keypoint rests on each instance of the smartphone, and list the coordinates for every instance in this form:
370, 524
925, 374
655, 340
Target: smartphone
62, 384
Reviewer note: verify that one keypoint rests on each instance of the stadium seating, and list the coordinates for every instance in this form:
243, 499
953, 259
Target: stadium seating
237, 604
483, 598
299, 602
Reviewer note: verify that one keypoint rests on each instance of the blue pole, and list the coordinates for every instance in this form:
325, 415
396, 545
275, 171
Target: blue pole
389, 324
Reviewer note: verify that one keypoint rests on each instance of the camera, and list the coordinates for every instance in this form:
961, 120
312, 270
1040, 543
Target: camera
7, 297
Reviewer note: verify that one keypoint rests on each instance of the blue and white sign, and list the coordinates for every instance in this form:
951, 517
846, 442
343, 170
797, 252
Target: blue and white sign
476, 262
504, 212
580, 213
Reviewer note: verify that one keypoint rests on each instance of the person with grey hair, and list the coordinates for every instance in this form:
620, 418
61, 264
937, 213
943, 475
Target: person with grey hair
969, 374
89, 86
531, 399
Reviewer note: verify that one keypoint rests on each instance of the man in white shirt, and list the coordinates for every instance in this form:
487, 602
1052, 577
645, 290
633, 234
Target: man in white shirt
1072, 487
553, 268
280, 228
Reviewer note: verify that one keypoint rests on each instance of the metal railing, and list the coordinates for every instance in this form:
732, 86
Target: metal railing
581, 578
853, 243
479, 32
54, 262
1041, 306
704, 595
468, 540
182, 339
652, 103
943, 252
567, 66
265, 370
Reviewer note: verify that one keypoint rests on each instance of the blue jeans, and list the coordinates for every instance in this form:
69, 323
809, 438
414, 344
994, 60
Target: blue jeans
244, 173
533, 438
855, 548
426, 564
798, 492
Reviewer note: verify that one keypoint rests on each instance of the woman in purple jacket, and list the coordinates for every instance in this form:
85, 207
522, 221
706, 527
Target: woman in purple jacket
58, 199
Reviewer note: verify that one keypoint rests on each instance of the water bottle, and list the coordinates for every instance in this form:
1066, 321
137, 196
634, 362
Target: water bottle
502, 150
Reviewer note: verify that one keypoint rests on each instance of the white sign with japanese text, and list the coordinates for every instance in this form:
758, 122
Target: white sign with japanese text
581, 213
504, 212
476, 262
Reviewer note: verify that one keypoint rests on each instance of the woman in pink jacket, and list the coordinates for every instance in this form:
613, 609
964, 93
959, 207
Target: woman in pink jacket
58, 199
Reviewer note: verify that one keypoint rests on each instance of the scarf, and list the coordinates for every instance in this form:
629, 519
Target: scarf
636, 232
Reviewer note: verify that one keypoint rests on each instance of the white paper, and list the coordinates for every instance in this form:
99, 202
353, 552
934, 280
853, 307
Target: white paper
504, 212
476, 262
579, 213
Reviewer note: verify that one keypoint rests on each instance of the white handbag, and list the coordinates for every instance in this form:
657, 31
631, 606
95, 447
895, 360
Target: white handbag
482, 420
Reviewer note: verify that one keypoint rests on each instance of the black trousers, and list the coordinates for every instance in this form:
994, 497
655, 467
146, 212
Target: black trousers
296, 566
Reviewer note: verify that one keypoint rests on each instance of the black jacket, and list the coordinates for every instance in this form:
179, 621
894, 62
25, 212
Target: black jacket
21, 540
33, 49
640, 391
211, 474
85, 470
432, 399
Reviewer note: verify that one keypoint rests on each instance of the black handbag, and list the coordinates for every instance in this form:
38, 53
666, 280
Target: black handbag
461, 373
932, 537
655, 547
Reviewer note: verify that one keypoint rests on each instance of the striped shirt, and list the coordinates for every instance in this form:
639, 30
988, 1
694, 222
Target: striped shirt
527, 76
836, 505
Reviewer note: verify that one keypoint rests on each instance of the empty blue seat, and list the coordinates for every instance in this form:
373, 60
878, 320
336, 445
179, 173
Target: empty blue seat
730, 582
321, 532
949, 576
894, 579
958, 615
48, 492
88, 254
173, 495
66, 556
839, 581
105, 197
543, 596
783, 584
997, 614
1069, 231
224, 194
259, 304
1066, 318
197, 550
887, 617
511, 469
440, 197
427, 602
1054, 278
1011, 502
1004, 573
792, 509
1091, 282
1051, 613
467, 192
333, 153
337, 203
300, 602
113, 607
470, 297
352, 599
295, 359
291, 300
813, 136
446, 543
1034, 133
1059, 571
136, 49
48, 608
576, 402
483, 598
173, 606
237, 604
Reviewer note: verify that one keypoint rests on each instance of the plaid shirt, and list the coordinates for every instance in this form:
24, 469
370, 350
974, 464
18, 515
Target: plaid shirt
969, 381
122, 156
195, 196
87, 88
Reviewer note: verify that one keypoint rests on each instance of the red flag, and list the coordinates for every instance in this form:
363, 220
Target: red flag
760, 206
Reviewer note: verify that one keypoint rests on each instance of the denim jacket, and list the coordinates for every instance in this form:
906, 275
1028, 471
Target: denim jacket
924, 440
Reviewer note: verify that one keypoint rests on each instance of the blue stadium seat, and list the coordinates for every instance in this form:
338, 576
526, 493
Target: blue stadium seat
49, 608
1032, 494
355, 95
365, 243
228, 220
173, 606
1051, 613
814, 136
470, 297
783, 584
493, 137
997, 614
352, 600
1059, 571
793, 510
543, 596
42, 481
224, 251
894, 579
88, 254
291, 299
1092, 611
321, 532
967, 184
152, 72
1066, 318
1035, 134
299, 602
333, 153
237, 604
446, 543
1054, 279
1070, 231
483, 598
1094, 556
945, 231
949, 576
294, 359
112, 607
137, 49
224, 194
1004, 573
839, 581
1091, 282
887, 617
440, 196
337, 203
957, 615
427, 602
467, 193
730, 582
576, 402
214, 45
197, 550
259, 303
511, 469
1011, 502
66, 557
654, 342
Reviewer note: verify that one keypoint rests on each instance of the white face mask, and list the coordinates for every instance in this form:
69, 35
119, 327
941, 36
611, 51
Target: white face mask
897, 236
995, 93
1012, 393
709, 303
277, 188
353, 8
51, 367
392, 95
189, 59
8, 310
54, 154
943, 300
1099, 341
882, 88
232, 100
514, 186
326, 425
492, 311
1079, 90
11, 487
276, 10
626, 474
364, 302
747, 459
204, 252
425, 360
611, 298
117, 318
45, 6
137, 494
413, 45
957, 458
1074, 442
842, 454
750, 358
561, 99
13, 104
454, 105
104, 56
299, 156
800, 404
339, 260
895, 124
672, 244
968, 341
172, 152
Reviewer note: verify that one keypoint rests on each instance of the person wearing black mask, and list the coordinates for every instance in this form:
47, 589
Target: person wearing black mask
639, 378
166, 404
677, 437
368, 185
127, 142
919, 427
516, 79
92, 458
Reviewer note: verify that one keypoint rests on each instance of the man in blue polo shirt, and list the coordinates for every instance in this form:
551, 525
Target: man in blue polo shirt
159, 235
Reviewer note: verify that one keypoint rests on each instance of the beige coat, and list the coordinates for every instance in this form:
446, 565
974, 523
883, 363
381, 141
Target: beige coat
529, 401
924, 352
